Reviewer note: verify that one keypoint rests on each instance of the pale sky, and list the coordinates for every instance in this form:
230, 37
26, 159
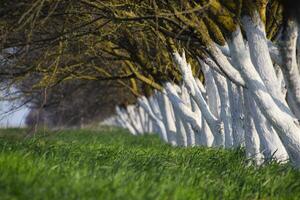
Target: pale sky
13, 119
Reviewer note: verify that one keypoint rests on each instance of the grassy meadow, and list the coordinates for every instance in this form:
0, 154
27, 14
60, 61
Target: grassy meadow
112, 164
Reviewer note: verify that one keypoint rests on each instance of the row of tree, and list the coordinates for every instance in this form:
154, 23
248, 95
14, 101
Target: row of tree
245, 52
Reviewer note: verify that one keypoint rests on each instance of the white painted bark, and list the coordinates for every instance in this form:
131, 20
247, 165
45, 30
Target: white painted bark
121, 122
190, 134
150, 124
260, 56
141, 114
221, 108
132, 115
180, 108
168, 119
213, 66
204, 137
199, 136
225, 66
180, 133
293, 105
140, 119
252, 141
285, 125
213, 98
261, 59
278, 59
281, 80
154, 105
290, 68
237, 113
241, 81
162, 130
275, 53
201, 87
215, 124
124, 118
271, 148
225, 49
298, 48
225, 112
146, 121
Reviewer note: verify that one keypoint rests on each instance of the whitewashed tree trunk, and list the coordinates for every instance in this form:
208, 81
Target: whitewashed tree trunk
150, 124
284, 123
142, 117
190, 134
251, 98
168, 118
289, 67
298, 48
204, 137
281, 80
134, 118
153, 101
124, 118
215, 124
252, 142
213, 97
237, 113
261, 59
225, 113
161, 127
121, 122
180, 108
293, 105
180, 133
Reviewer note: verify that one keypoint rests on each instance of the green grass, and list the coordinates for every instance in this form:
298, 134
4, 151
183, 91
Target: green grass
111, 164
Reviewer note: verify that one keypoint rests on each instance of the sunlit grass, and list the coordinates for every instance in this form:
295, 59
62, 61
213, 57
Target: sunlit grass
111, 164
